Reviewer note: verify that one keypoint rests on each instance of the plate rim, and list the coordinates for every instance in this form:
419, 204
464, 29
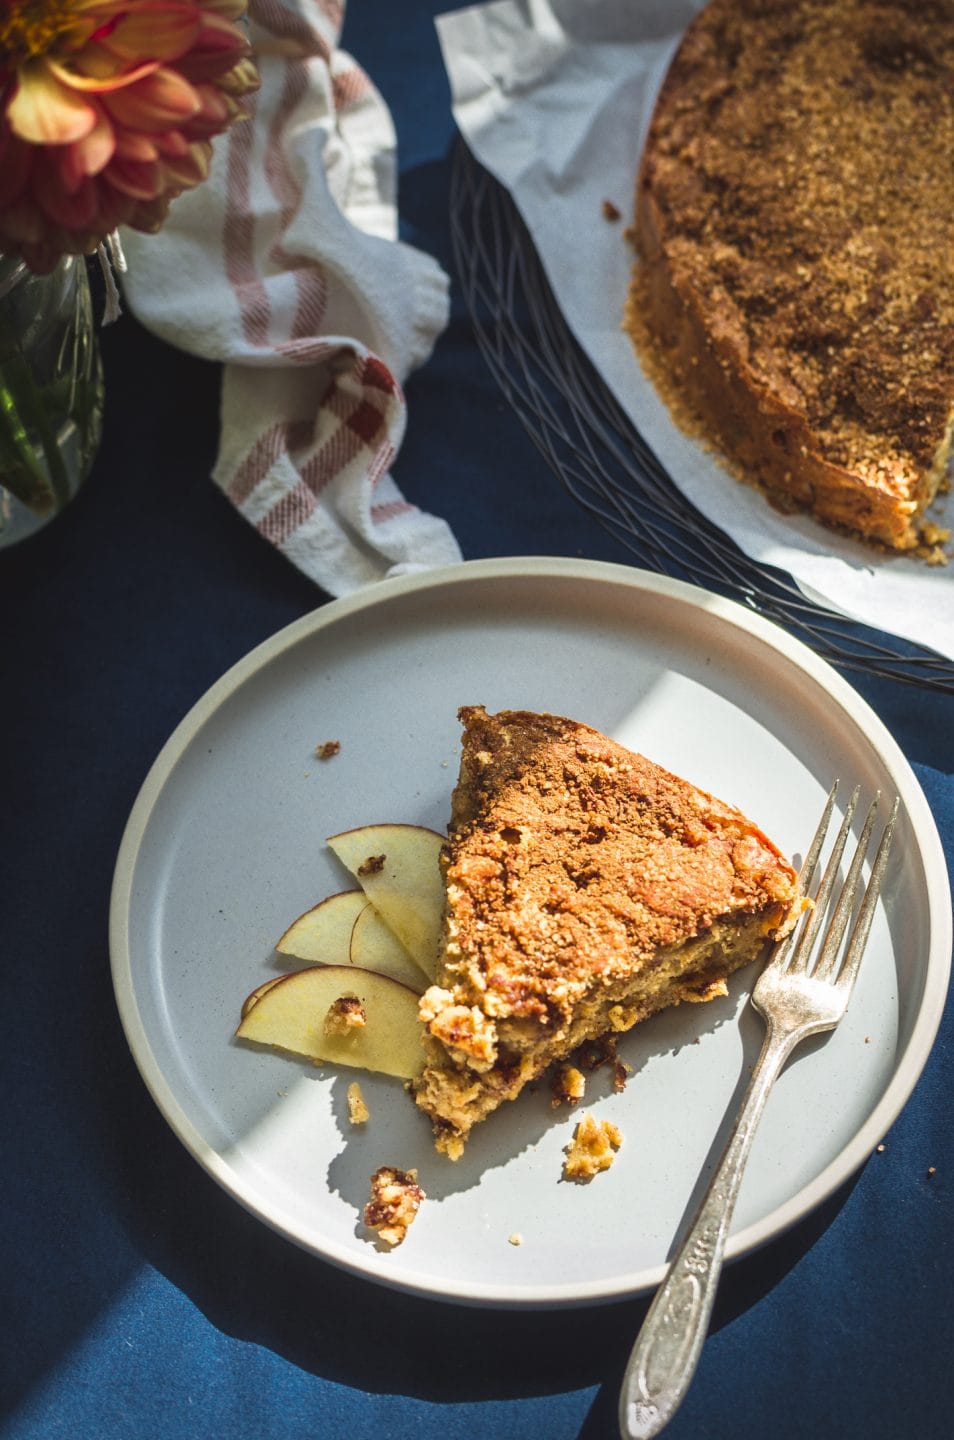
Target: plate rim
909, 1063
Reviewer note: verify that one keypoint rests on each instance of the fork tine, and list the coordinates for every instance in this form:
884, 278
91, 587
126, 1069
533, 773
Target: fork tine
828, 956
862, 925
805, 875
800, 957
814, 850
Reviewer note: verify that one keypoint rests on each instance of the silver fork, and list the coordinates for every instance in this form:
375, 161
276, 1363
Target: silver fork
797, 998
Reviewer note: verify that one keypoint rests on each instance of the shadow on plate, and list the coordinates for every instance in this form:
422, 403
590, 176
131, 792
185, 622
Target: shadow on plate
518, 1126
258, 1287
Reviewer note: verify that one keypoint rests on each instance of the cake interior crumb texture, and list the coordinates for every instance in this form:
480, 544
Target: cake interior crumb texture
586, 888
793, 298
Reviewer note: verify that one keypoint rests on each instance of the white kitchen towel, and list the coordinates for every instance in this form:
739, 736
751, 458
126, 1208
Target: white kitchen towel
285, 266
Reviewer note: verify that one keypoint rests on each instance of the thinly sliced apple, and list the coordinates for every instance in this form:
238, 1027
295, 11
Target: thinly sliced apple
346, 929
291, 1013
257, 994
375, 947
397, 868
323, 933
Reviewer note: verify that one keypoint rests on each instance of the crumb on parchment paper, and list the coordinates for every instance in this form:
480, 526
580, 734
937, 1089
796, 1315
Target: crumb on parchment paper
327, 749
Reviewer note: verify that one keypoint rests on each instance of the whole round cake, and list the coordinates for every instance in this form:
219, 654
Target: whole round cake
793, 297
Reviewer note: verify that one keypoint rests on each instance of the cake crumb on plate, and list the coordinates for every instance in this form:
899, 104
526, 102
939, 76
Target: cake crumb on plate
592, 1149
395, 1200
358, 1112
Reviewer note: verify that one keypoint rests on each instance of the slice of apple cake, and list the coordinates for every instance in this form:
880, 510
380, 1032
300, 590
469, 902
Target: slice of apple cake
586, 888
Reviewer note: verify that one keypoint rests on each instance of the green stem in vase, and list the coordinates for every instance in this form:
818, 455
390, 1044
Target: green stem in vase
21, 471
36, 476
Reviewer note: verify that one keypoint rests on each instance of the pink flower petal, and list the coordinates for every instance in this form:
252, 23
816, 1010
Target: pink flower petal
161, 31
94, 152
101, 79
140, 179
231, 9
130, 145
46, 112
156, 103
216, 112
186, 171
218, 47
63, 164
172, 142
114, 208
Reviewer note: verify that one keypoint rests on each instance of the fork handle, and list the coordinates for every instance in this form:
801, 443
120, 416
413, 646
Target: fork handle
667, 1349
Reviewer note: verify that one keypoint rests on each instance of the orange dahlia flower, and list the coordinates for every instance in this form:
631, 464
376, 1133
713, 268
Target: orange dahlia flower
107, 111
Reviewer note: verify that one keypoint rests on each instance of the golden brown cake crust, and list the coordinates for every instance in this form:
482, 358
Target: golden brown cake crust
570, 855
794, 213
574, 870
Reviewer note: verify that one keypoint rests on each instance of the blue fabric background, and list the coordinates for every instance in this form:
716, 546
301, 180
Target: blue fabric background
138, 1299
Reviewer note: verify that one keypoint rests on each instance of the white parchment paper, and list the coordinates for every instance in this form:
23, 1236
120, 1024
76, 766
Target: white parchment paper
554, 97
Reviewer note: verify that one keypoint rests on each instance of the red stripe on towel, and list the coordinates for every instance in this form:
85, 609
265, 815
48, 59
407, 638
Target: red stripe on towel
390, 508
357, 406
287, 514
294, 29
287, 436
238, 236
349, 86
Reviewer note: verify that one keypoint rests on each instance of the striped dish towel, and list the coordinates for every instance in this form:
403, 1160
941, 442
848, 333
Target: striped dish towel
285, 266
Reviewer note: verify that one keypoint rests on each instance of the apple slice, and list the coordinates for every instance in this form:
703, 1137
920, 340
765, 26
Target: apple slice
323, 933
397, 868
375, 947
257, 994
291, 1013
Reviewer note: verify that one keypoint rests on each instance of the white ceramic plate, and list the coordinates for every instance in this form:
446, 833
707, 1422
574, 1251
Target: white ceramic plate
225, 845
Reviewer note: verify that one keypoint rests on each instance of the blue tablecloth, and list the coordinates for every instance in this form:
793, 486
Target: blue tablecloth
138, 1299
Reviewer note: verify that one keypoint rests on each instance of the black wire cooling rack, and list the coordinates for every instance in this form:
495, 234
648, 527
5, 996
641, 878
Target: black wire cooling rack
601, 458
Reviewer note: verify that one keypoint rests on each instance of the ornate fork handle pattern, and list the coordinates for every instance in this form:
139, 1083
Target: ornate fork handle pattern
668, 1347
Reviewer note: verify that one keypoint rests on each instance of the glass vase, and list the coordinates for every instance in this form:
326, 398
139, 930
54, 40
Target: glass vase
51, 392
